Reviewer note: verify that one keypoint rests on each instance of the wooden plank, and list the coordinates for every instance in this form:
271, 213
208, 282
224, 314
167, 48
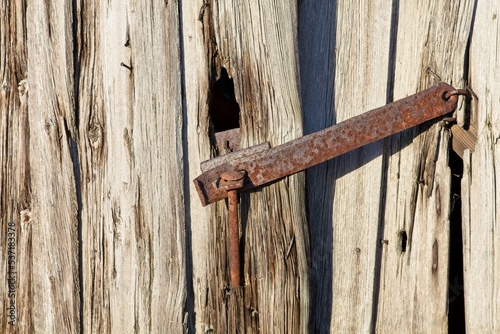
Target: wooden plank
480, 183
317, 45
199, 76
38, 185
54, 280
361, 63
361, 276
344, 227
15, 184
256, 42
418, 188
130, 130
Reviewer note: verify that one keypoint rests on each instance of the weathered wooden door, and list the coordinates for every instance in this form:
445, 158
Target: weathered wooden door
107, 111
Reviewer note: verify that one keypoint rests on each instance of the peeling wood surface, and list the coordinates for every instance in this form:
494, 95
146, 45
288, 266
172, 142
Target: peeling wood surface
390, 195
480, 183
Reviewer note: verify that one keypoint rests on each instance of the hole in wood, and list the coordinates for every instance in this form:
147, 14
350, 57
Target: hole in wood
403, 237
224, 109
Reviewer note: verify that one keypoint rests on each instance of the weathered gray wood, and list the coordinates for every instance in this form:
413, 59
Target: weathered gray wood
54, 293
344, 227
480, 190
363, 43
256, 43
38, 184
97, 160
198, 45
130, 131
15, 192
418, 189
402, 184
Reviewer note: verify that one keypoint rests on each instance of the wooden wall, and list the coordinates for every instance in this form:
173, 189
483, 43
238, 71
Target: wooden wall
104, 122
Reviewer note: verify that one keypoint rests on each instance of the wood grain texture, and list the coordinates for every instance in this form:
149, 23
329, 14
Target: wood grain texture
344, 227
418, 177
480, 183
54, 278
38, 185
104, 120
198, 45
381, 53
15, 182
257, 44
362, 49
132, 216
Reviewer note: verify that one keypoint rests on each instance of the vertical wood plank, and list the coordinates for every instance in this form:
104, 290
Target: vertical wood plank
257, 43
112, 161
45, 206
131, 167
54, 295
418, 177
480, 184
361, 69
15, 185
317, 45
344, 227
199, 76
373, 195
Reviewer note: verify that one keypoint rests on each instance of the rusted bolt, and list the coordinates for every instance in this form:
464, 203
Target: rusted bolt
231, 181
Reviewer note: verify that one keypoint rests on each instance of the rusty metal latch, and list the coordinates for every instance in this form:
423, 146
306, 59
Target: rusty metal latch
246, 169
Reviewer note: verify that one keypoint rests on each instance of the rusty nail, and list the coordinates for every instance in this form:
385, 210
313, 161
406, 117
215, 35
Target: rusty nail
232, 181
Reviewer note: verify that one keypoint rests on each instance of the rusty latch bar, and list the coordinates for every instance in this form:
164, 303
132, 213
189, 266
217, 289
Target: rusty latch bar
246, 169
277, 162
